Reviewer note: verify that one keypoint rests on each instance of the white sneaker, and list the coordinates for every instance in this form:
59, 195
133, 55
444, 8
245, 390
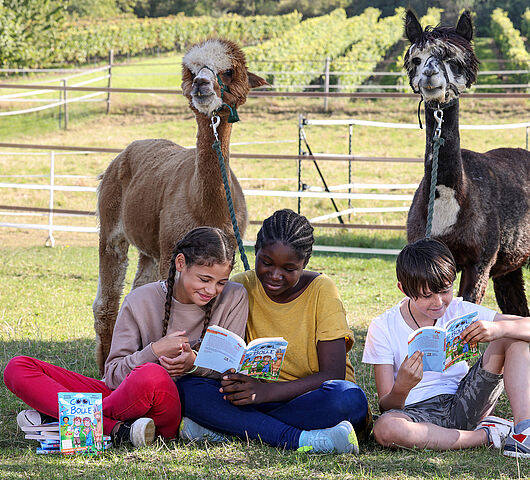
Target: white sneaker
498, 429
192, 431
142, 432
518, 444
340, 439
28, 418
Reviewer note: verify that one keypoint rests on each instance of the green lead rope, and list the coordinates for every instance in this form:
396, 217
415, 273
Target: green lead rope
438, 141
217, 147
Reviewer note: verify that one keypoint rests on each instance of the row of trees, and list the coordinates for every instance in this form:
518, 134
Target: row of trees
309, 8
30, 28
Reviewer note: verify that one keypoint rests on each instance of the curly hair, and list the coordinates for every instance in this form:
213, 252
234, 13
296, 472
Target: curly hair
290, 228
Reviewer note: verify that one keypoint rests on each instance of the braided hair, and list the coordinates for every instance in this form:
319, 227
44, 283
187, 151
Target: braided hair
289, 228
200, 246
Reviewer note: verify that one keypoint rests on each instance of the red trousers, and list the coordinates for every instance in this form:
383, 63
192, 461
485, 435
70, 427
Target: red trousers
148, 391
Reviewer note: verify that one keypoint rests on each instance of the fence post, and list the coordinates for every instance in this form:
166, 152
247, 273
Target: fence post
350, 136
65, 104
326, 83
50, 241
300, 152
111, 61
60, 106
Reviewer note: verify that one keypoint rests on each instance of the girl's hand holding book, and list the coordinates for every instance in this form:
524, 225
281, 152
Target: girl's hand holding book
241, 389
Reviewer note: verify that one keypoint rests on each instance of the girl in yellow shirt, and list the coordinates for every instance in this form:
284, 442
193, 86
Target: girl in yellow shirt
315, 405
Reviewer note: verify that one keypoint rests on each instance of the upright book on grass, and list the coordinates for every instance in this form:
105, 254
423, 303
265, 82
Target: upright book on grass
222, 350
443, 347
80, 423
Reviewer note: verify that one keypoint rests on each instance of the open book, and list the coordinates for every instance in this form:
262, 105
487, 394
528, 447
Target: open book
443, 347
222, 350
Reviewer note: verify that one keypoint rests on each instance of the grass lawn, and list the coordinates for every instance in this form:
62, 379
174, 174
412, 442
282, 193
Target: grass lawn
46, 294
46, 312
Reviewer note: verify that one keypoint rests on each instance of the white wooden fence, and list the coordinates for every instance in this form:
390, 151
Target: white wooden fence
52, 212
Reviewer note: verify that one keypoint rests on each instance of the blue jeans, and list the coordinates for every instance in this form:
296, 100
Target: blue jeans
278, 423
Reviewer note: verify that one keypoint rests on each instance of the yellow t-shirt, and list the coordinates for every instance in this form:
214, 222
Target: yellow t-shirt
317, 314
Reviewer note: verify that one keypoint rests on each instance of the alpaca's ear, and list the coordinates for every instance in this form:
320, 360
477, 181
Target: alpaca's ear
413, 28
255, 81
464, 27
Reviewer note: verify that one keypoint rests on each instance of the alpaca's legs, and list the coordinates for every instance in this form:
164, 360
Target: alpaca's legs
146, 272
165, 260
474, 281
113, 262
168, 238
510, 293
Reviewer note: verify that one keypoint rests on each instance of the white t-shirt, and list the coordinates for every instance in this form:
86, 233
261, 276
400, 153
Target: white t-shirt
387, 344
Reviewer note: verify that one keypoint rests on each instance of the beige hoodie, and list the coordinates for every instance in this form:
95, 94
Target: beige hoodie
139, 324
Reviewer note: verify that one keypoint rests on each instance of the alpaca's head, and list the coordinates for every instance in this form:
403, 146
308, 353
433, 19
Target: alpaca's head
201, 67
440, 61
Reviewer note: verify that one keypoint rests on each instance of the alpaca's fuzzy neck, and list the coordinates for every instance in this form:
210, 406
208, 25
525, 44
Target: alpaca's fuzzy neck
207, 182
450, 169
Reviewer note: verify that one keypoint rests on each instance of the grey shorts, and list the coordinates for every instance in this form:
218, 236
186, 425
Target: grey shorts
476, 395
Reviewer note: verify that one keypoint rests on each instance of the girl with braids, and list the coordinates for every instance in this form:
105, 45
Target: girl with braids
157, 326
315, 405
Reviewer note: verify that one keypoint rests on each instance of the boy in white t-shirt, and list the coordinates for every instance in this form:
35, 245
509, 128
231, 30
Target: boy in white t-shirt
447, 410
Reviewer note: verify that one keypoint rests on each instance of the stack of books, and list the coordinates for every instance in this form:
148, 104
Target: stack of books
48, 436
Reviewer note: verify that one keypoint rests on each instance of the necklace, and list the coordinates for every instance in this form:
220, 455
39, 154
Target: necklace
412, 316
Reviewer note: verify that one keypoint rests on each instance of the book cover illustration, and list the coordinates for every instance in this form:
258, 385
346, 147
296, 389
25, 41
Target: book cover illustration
222, 350
264, 360
80, 423
443, 347
455, 348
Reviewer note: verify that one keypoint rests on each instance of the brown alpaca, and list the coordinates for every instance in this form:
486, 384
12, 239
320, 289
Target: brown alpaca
155, 191
482, 201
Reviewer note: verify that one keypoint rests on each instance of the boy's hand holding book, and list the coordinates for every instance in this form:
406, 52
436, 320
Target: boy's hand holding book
410, 372
482, 332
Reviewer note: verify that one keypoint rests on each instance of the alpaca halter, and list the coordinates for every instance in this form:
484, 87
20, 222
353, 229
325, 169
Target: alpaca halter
233, 117
450, 86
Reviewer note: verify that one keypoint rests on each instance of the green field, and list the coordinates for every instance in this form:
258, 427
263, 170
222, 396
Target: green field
46, 294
